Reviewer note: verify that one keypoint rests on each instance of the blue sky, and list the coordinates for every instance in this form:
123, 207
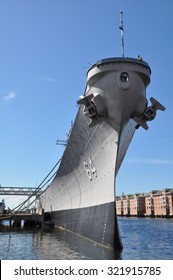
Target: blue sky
46, 47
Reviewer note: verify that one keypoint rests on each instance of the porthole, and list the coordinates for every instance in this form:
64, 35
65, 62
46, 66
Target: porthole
124, 77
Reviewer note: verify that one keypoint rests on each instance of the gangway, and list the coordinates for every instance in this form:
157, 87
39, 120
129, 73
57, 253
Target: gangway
25, 191
29, 191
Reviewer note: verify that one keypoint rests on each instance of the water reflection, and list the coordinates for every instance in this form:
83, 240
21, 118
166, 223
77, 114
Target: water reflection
27, 243
143, 238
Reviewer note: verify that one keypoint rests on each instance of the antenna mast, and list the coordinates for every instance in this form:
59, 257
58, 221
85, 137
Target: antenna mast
122, 31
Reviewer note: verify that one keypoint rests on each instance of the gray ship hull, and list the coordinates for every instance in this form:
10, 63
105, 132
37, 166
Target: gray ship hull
81, 198
89, 221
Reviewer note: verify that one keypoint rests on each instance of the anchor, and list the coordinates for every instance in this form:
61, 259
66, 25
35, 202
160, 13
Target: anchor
94, 108
149, 114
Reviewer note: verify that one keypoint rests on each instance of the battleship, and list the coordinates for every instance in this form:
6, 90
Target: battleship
81, 197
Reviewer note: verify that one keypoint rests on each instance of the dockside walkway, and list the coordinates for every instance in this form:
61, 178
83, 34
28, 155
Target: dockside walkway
28, 218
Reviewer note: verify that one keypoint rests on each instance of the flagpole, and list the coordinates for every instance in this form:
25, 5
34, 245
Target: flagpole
122, 31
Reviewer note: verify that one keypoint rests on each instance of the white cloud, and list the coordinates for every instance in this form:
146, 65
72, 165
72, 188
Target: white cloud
149, 161
11, 95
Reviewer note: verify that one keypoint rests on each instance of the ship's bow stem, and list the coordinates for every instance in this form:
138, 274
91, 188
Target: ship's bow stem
115, 94
82, 195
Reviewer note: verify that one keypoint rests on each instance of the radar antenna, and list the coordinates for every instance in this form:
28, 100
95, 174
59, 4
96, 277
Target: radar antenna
121, 27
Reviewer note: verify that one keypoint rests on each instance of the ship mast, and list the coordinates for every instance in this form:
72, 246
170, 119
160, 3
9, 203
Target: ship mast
121, 27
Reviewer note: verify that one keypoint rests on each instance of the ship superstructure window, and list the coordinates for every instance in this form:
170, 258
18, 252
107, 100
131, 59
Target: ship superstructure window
124, 77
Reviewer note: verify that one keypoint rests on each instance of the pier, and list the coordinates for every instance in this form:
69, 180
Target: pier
33, 218
19, 216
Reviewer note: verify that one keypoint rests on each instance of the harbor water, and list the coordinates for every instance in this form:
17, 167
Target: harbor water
143, 238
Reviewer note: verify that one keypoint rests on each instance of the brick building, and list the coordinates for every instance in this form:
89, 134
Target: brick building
119, 205
149, 203
130, 205
137, 205
158, 203
169, 195
162, 202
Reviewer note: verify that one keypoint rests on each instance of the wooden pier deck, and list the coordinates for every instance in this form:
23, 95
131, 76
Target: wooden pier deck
28, 218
